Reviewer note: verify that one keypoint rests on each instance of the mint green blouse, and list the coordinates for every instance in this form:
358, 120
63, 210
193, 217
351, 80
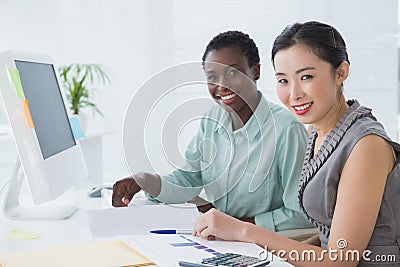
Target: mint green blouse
250, 172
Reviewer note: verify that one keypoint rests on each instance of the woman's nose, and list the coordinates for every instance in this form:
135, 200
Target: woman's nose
296, 92
222, 84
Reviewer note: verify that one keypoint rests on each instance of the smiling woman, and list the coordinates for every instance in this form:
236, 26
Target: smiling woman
306, 85
350, 186
247, 152
236, 93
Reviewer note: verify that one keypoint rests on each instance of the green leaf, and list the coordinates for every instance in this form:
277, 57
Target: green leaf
77, 79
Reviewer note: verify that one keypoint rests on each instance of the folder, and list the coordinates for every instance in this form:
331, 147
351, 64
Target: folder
109, 253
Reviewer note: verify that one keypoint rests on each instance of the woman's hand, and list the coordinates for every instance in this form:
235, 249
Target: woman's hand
123, 192
215, 223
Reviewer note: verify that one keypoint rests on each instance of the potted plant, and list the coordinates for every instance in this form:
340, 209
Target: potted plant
77, 79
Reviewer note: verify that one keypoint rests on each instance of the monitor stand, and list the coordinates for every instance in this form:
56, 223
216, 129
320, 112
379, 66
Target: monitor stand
12, 208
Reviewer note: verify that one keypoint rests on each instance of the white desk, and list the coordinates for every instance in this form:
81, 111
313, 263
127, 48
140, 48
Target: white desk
74, 230
55, 232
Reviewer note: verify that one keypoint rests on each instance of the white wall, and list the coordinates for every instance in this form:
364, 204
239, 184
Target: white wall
138, 38
369, 28
119, 34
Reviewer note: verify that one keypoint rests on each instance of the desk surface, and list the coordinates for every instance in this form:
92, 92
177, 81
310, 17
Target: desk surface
55, 232
74, 230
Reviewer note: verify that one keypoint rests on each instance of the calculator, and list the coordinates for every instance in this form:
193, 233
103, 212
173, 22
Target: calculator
228, 259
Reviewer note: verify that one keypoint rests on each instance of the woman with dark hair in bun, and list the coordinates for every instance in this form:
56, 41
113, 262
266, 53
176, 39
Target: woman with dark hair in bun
350, 181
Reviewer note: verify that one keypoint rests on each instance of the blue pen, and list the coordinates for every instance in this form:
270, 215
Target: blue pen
184, 232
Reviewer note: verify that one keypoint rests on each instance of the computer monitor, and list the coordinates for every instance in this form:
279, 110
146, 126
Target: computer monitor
50, 157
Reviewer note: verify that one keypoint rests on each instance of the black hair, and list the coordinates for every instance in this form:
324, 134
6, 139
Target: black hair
235, 39
323, 40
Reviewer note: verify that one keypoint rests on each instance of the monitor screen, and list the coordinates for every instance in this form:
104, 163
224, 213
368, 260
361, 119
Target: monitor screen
48, 155
46, 105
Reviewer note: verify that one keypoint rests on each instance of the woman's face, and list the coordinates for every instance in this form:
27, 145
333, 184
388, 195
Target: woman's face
231, 81
306, 85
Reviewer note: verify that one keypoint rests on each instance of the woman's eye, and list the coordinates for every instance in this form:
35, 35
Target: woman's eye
211, 78
283, 81
233, 72
306, 77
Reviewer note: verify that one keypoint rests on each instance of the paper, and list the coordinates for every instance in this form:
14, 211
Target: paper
108, 253
141, 219
22, 235
76, 128
14, 73
28, 113
161, 249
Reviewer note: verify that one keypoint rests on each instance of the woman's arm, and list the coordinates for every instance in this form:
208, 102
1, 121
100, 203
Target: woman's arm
313, 240
360, 193
358, 201
215, 223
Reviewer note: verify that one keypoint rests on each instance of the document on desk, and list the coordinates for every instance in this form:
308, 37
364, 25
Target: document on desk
138, 220
168, 250
98, 254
